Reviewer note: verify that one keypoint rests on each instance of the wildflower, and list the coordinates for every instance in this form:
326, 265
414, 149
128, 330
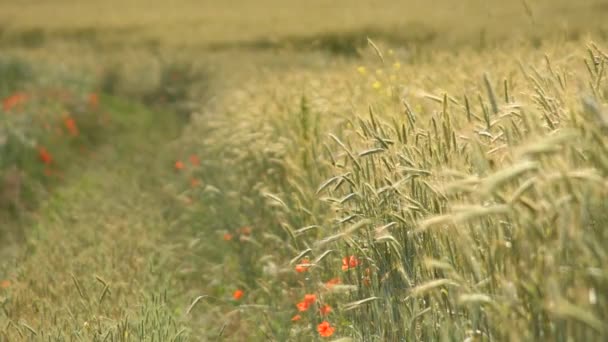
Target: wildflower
228, 237
8, 104
194, 182
194, 160
238, 294
397, 66
325, 329
302, 306
332, 282
306, 302
179, 165
325, 310
246, 230
361, 70
349, 262
5, 284
296, 318
304, 266
70, 125
13, 101
310, 298
45, 156
93, 100
377, 85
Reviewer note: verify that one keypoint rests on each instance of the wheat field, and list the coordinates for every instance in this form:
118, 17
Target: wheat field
303, 171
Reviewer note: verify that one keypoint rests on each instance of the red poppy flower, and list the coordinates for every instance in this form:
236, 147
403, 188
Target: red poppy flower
304, 266
93, 100
238, 294
5, 284
296, 318
302, 306
8, 104
70, 125
325, 329
45, 156
13, 101
179, 165
349, 262
194, 160
246, 230
228, 237
332, 282
310, 298
194, 182
325, 310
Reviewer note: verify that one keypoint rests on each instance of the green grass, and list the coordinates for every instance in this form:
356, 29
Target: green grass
92, 268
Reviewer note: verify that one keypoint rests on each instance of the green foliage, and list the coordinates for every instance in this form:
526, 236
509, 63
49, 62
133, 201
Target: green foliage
14, 74
93, 269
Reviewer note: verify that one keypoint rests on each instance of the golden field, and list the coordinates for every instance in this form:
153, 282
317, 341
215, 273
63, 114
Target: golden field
282, 171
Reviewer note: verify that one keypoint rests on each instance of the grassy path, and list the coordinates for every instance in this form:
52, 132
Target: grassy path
97, 264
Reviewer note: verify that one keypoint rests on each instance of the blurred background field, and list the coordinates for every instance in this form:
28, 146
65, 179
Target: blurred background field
298, 171
216, 24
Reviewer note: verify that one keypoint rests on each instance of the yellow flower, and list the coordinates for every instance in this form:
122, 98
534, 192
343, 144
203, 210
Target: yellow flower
361, 70
391, 52
377, 85
397, 65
